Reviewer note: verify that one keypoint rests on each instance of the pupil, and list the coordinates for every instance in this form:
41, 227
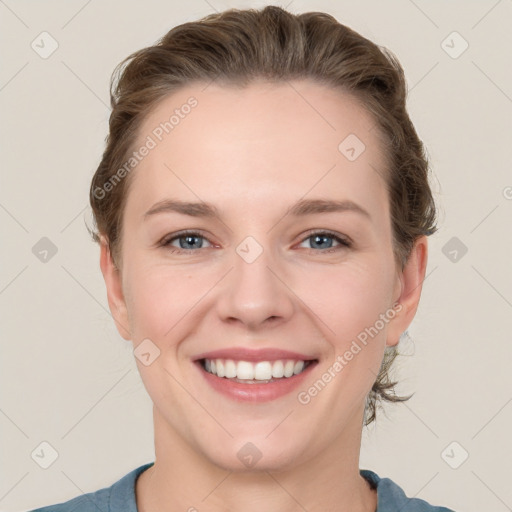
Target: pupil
190, 240
320, 237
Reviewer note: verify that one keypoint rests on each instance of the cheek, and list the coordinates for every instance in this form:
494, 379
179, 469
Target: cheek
166, 299
160, 310
158, 297
352, 301
350, 298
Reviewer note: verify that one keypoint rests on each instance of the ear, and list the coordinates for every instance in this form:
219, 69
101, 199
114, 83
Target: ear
113, 282
409, 286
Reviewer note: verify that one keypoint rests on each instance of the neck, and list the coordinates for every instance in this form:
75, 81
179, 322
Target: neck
183, 479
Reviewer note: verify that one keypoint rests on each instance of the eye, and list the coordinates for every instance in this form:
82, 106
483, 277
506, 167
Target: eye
188, 241
191, 241
322, 240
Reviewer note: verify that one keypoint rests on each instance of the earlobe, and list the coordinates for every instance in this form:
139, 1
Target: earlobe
115, 295
411, 279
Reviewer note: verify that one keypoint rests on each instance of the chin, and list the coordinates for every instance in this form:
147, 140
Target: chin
253, 456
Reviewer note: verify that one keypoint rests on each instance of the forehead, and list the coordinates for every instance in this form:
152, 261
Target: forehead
219, 142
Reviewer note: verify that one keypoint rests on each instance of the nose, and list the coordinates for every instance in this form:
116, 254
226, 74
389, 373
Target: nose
255, 293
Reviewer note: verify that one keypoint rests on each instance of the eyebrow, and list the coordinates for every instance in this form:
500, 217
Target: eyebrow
311, 206
300, 208
201, 209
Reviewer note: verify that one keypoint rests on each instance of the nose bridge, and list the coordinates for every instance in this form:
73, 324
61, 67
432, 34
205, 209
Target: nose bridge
254, 293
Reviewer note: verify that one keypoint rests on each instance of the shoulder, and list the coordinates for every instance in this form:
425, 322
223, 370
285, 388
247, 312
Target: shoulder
391, 497
85, 503
120, 497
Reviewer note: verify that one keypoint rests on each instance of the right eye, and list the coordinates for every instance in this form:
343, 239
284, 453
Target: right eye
186, 241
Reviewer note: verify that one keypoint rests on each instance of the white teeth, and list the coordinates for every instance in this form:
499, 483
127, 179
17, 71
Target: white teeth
262, 370
299, 366
244, 370
278, 370
220, 368
288, 368
230, 369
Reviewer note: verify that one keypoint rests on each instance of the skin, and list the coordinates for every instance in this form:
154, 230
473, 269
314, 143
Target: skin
253, 152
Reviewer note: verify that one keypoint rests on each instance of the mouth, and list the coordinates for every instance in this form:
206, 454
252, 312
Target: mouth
254, 376
260, 372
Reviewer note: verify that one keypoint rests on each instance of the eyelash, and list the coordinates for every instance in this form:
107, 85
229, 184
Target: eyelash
343, 242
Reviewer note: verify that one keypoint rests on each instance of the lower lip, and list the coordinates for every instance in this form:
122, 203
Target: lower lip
255, 392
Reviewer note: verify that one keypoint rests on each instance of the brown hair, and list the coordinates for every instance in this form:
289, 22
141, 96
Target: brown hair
240, 46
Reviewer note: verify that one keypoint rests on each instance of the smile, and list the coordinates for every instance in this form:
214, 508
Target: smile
248, 372
254, 376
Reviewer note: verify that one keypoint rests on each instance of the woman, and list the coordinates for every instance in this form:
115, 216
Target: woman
262, 209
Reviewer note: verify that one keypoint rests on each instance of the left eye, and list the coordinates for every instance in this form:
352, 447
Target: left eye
321, 238
187, 241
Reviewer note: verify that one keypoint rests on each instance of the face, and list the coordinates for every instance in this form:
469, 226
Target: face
287, 262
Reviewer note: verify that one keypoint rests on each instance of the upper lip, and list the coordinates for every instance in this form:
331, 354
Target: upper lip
246, 354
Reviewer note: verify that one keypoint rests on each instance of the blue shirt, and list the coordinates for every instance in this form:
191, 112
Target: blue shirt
120, 497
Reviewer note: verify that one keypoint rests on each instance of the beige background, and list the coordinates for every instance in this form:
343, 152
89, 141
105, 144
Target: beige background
68, 378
